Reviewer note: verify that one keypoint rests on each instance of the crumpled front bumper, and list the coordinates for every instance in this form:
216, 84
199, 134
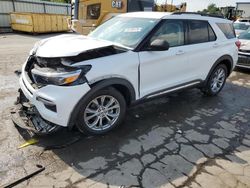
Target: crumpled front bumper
26, 116
62, 99
47, 106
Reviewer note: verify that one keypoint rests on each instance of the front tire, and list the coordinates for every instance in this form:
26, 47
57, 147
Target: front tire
216, 80
101, 112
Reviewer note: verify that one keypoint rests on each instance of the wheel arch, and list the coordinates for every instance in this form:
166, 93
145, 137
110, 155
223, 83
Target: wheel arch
120, 84
226, 60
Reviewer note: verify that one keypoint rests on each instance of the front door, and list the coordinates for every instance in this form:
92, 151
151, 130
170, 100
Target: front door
160, 70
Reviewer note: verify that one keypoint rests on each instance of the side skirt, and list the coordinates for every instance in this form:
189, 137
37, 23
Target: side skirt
178, 88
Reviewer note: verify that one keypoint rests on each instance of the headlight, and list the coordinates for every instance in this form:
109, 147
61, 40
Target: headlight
55, 71
55, 78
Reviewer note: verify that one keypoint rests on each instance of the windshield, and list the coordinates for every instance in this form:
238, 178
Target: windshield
241, 26
124, 30
245, 35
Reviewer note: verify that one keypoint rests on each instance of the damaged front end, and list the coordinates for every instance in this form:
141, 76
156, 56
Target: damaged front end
26, 116
42, 72
46, 85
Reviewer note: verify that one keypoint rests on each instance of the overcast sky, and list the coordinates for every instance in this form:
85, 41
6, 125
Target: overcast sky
194, 5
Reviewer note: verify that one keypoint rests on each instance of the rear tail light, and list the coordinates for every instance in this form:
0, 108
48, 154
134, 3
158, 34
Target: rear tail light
238, 43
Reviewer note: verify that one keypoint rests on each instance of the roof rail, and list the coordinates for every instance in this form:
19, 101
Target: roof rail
197, 13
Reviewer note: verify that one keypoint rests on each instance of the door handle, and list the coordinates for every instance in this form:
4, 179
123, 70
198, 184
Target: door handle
180, 52
215, 45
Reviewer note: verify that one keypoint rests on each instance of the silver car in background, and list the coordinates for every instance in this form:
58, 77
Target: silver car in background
241, 26
244, 51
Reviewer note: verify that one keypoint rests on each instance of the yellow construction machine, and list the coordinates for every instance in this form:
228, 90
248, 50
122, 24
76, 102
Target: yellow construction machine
88, 14
170, 7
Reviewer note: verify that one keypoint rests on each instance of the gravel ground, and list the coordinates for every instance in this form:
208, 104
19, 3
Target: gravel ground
183, 140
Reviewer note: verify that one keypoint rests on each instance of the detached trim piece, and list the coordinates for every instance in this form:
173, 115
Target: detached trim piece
13, 184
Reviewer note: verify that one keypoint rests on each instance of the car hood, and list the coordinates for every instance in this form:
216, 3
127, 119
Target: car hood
67, 45
245, 44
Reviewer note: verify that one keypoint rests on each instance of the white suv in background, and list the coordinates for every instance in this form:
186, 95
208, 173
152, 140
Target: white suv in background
241, 26
89, 81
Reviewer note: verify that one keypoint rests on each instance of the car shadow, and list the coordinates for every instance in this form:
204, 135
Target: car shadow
160, 141
242, 70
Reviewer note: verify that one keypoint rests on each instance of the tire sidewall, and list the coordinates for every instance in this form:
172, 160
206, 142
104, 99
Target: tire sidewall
80, 123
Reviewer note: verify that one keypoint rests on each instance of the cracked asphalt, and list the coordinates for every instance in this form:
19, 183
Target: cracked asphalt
181, 140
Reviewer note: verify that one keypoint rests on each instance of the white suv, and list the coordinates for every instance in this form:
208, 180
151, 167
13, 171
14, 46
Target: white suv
241, 26
89, 81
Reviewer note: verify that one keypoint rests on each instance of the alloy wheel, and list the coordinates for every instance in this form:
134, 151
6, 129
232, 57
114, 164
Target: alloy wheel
102, 112
218, 80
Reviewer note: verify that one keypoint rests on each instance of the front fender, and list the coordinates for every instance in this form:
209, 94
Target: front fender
98, 86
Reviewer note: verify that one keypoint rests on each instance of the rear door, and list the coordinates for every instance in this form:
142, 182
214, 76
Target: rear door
202, 49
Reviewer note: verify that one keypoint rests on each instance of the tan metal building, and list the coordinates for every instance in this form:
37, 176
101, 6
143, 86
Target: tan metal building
31, 6
244, 7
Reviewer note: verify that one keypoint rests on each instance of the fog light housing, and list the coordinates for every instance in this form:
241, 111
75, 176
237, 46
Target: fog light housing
47, 103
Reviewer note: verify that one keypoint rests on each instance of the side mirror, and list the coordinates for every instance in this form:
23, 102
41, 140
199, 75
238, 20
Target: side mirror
158, 45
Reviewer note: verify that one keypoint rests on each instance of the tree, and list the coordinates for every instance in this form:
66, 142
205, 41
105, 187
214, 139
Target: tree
211, 9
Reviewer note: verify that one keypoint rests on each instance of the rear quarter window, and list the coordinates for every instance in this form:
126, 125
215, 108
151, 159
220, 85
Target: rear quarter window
227, 29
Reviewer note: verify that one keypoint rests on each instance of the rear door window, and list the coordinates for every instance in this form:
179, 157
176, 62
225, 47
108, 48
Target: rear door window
227, 29
198, 31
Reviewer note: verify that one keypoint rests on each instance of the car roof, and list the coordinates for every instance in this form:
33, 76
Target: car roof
155, 15
245, 23
171, 15
243, 19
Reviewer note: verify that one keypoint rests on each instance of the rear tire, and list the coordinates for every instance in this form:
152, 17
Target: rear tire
101, 112
216, 81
